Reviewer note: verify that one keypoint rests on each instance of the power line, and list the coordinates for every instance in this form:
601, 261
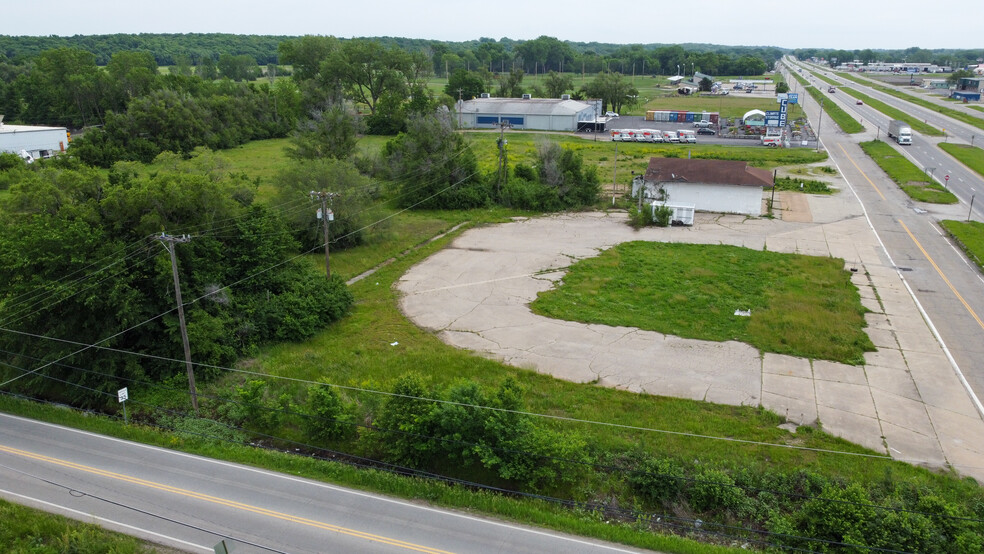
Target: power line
75, 492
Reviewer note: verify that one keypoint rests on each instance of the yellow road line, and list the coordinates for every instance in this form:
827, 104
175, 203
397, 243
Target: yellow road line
940, 271
863, 174
223, 501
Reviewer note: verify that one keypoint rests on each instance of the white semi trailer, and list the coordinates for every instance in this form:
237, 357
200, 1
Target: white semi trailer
900, 131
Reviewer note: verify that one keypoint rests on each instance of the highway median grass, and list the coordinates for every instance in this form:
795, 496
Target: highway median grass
949, 112
910, 178
843, 120
970, 236
970, 156
894, 113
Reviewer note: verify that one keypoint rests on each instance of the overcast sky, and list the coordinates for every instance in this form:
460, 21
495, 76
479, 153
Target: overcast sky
847, 24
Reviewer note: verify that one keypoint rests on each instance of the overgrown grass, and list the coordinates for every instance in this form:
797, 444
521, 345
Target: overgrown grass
949, 112
838, 115
632, 156
910, 178
800, 305
970, 156
26, 530
970, 237
808, 186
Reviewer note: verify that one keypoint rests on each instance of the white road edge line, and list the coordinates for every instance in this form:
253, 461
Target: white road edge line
956, 368
324, 485
87, 516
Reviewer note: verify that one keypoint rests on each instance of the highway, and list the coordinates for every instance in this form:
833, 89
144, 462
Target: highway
197, 502
948, 287
924, 153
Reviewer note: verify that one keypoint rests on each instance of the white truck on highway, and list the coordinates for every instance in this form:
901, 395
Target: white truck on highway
900, 131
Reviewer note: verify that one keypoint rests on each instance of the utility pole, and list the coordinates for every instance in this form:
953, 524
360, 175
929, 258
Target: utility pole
168, 242
459, 107
819, 121
326, 216
615, 173
503, 171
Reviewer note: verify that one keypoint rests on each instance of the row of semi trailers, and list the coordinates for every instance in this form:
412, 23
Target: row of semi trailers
653, 135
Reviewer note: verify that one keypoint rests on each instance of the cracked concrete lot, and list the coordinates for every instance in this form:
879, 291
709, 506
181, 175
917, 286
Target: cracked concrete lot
906, 401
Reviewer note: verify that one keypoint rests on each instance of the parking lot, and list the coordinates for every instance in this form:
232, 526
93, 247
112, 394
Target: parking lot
640, 122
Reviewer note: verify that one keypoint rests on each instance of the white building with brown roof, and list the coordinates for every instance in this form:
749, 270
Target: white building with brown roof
722, 186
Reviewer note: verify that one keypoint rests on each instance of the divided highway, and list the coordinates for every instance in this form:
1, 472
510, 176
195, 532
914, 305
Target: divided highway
261, 511
948, 287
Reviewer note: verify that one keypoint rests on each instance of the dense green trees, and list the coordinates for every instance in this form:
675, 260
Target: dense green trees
433, 166
613, 89
79, 263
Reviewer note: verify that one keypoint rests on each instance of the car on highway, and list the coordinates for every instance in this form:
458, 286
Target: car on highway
706, 131
860, 103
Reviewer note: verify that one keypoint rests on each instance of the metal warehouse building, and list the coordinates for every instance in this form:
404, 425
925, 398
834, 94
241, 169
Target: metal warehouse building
36, 142
543, 114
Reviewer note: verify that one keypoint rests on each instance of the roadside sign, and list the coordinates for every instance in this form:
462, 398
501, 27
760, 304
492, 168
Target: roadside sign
793, 97
122, 394
781, 96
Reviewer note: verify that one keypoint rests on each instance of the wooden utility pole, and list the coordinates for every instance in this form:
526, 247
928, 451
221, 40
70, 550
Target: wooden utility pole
503, 172
326, 216
168, 242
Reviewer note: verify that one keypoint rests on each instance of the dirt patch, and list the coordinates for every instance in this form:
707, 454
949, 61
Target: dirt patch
793, 206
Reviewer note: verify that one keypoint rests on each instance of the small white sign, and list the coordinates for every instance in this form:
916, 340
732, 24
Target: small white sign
122, 394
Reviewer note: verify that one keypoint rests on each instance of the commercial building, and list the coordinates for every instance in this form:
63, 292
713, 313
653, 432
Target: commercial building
31, 142
544, 114
722, 186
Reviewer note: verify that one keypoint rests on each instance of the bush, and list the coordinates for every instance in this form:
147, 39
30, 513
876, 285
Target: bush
657, 480
327, 416
661, 215
715, 490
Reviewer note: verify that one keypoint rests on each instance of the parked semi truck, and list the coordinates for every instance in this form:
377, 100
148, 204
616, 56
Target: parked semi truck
900, 131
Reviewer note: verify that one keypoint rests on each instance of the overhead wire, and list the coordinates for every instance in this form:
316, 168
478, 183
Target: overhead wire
460, 442
74, 491
692, 524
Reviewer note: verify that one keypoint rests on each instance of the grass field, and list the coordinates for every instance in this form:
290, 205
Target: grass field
970, 156
970, 236
800, 305
950, 112
910, 178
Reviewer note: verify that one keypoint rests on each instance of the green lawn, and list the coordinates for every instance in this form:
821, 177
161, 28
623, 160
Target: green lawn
910, 178
971, 156
970, 236
800, 305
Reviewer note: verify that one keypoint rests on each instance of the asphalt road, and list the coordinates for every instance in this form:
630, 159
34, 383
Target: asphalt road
263, 511
963, 182
948, 287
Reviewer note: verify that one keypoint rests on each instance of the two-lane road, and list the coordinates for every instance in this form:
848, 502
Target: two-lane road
264, 511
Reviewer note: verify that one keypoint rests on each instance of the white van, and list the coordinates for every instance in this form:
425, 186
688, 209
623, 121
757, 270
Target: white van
687, 135
670, 136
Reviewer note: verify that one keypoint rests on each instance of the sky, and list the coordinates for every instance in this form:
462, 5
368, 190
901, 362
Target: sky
847, 24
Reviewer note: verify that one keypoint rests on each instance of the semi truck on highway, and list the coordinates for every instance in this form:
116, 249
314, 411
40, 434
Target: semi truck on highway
900, 131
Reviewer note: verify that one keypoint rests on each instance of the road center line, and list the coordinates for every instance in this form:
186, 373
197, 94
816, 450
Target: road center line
222, 501
940, 271
863, 174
